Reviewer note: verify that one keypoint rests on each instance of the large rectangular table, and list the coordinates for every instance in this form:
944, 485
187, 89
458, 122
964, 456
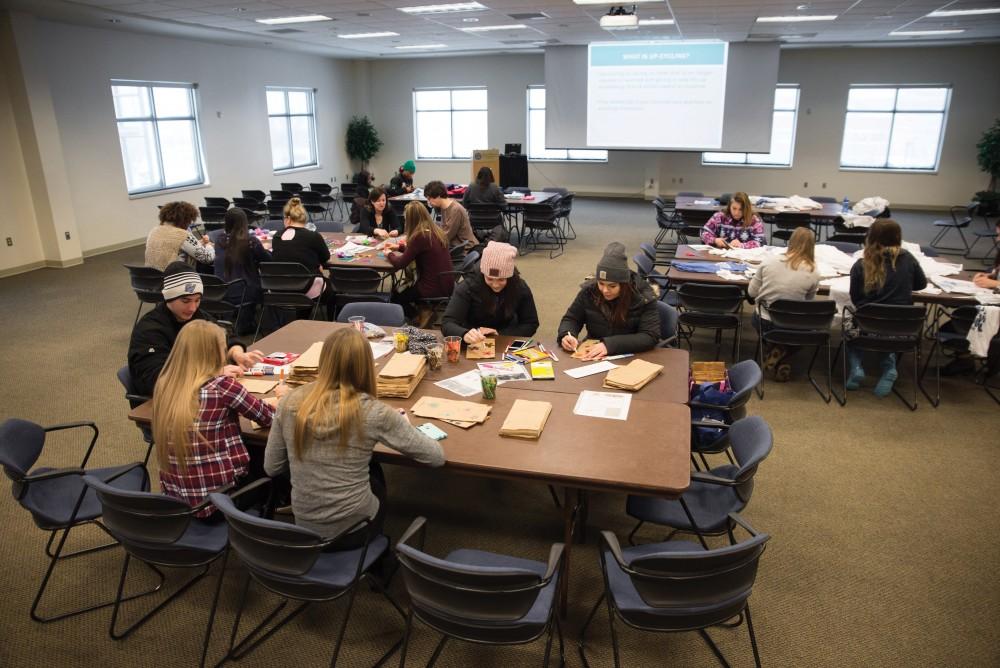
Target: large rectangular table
539, 197
647, 454
375, 260
830, 211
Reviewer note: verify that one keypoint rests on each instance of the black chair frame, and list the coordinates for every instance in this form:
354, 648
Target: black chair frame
283, 287
147, 283
798, 323
709, 306
962, 318
956, 224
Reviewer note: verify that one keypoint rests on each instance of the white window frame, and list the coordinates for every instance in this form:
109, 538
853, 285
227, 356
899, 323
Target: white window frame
895, 112
745, 162
292, 166
202, 178
451, 121
566, 152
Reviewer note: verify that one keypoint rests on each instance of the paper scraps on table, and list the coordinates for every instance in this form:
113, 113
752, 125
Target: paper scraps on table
609, 405
590, 369
257, 385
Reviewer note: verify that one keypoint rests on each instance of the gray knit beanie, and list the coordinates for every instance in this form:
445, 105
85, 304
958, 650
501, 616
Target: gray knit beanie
613, 266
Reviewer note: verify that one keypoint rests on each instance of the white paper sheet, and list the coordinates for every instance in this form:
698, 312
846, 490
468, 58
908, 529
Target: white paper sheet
609, 405
590, 369
381, 348
464, 385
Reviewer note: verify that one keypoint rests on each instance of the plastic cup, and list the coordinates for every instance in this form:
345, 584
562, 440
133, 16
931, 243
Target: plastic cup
489, 383
434, 355
358, 322
453, 344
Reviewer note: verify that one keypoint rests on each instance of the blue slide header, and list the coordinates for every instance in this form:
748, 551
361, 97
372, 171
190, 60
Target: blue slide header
657, 54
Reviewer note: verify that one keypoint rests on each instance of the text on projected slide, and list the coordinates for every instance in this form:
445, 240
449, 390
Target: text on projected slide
656, 94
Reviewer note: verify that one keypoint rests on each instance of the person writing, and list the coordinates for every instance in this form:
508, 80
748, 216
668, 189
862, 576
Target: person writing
323, 434
378, 219
494, 300
427, 247
171, 240
484, 190
617, 308
196, 427
885, 274
238, 256
454, 217
736, 226
402, 182
153, 337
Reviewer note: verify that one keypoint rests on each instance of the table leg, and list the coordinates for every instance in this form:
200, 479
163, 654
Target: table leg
568, 516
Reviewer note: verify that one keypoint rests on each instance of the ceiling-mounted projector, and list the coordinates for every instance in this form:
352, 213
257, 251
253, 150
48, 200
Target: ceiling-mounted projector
618, 18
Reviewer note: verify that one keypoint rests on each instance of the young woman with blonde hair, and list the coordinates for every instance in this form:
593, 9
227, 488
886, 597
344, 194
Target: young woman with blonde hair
297, 243
196, 410
324, 433
427, 246
736, 226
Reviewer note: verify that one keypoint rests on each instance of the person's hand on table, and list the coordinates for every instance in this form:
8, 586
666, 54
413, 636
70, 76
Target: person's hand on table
735, 243
984, 281
394, 233
280, 390
596, 352
569, 343
721, 243
478, 335
232, 370
380, 233
247, 358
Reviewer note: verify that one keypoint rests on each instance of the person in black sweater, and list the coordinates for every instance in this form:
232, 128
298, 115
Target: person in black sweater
886, 274
238, 255
484, 190
402, 182
494, 300
377, 218
307, 247
616, 307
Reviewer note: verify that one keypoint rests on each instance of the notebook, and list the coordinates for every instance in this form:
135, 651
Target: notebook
526, 419
542, 370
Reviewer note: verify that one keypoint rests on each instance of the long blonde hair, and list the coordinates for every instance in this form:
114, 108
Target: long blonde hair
198, 356
418, 221
883, 242
801, 249
747, 207
347, 370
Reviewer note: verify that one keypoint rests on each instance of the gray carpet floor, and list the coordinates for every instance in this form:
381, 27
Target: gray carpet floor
883, 521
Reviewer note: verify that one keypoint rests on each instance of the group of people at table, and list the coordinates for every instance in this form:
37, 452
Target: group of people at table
322, 433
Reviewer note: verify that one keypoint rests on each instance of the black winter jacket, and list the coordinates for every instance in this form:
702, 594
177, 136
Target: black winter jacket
467, 310
641, 329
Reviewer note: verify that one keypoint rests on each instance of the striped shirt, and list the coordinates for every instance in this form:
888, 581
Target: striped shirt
722, 225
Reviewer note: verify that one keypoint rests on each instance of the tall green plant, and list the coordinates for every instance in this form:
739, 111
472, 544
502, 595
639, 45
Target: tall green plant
362, 140
988, 154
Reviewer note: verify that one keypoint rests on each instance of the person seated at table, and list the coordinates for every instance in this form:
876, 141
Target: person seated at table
196, 418
886, 274
324, 433
617, 308
736, 226
454, 217
377, 218
484, 190
171, 240
493, 300
238, 255
153, 337
425, 246
789, 276
296, 243
402, 182
364, 180
991, 279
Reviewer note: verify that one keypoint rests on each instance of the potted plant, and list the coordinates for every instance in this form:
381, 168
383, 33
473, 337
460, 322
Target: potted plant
988, 157
362, 140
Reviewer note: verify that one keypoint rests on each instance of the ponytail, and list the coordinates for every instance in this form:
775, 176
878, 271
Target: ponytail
295, 212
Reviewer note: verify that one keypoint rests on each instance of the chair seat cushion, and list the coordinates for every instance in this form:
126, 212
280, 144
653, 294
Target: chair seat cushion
709, 504
949, 223
51, 502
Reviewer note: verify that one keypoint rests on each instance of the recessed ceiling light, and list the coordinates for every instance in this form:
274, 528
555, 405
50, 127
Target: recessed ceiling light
309, 18
470, 20
416, 47
920, 33
444, 9
796, 19
113, 20
366, 35
509, 26
802, 8
239, 9
656, 22
942, 13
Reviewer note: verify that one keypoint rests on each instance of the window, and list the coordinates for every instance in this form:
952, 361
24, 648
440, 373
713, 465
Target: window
158, 131
449, 124
894, 128
786, 110
536, 134
291, 114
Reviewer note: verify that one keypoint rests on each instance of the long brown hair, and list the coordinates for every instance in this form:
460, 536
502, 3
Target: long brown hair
237, 243
801, 249
197, 356
616, 311
418, 221
347, 370
883, 242
744, 202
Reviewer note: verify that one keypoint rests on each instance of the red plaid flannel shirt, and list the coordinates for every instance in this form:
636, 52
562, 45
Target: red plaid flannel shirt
218, 456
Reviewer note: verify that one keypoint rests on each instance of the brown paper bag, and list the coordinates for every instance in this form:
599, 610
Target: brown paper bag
633, 376
526, 419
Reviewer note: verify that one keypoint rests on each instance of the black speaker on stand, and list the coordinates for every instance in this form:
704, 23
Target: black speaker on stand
513, 167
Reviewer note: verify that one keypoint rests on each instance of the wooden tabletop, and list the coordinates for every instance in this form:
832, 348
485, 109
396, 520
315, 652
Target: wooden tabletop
334, 240
829, 210
539, 195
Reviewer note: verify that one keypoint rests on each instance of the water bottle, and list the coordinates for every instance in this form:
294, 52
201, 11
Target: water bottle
311, 226
847, 206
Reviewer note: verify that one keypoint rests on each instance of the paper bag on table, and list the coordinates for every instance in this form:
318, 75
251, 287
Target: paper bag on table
633, 376
305, 367
584, 346
459, 413
484, 350
526, 419
402, 364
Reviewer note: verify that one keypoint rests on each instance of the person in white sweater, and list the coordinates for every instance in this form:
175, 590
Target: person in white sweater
323, 434
790, 276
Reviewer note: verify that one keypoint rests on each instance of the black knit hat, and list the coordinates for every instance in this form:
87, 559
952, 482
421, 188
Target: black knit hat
613, 266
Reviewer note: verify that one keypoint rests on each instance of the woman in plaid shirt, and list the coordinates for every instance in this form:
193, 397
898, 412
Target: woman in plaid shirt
196, 412
736, 226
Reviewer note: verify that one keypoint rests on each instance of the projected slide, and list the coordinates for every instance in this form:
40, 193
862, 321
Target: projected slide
656, 94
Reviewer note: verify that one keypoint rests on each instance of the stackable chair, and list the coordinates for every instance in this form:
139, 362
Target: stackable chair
356, 284
961, 218
705, 507
804, 323
147, 283
283, 289
462, 267
484, 217
220, 202
563, 211
291, 561
377, 313
648, 273
659, 258
480, 597
135, 399
988, 232
954, 340
293, 188
843, 233
678, 586
786, 223
348, 191
58, 499
543, 219
212, 216
710, 306
312, 202
744, 377
668, 325
669, 223
214, 298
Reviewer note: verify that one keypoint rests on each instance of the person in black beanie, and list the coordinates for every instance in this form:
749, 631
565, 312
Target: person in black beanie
617, 308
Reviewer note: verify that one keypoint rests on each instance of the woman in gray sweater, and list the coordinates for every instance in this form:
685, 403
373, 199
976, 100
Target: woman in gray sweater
323, 434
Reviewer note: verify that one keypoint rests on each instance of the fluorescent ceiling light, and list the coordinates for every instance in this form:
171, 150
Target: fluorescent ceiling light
311, 18
918, 33
509, 26
944, 13
619, 22
656, 22
444, 9
422, 46
366, 35
605, 2
796, 19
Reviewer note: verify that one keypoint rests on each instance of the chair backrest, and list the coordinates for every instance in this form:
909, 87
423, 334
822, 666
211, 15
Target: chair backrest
485, 216
311, 197
328, 226
281, 195
709, 298
147, 282
355, 280
743, 378
824, 199
962, 318
544, 213
724, 199
289, 277
266, 546
848, 247
468, 262
21, 444
805, 315
125, 378
258, 195
348, 191
788, 220
668, 320
321, 188
566, 203
377, 313
649, 250
214, 288
555, 189
217, 201
212, 214
248, 203
899, 321
751, 441
643, 263
294, 188
141, 518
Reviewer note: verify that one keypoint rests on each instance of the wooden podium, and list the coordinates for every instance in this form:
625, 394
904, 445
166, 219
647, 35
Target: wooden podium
487, 157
